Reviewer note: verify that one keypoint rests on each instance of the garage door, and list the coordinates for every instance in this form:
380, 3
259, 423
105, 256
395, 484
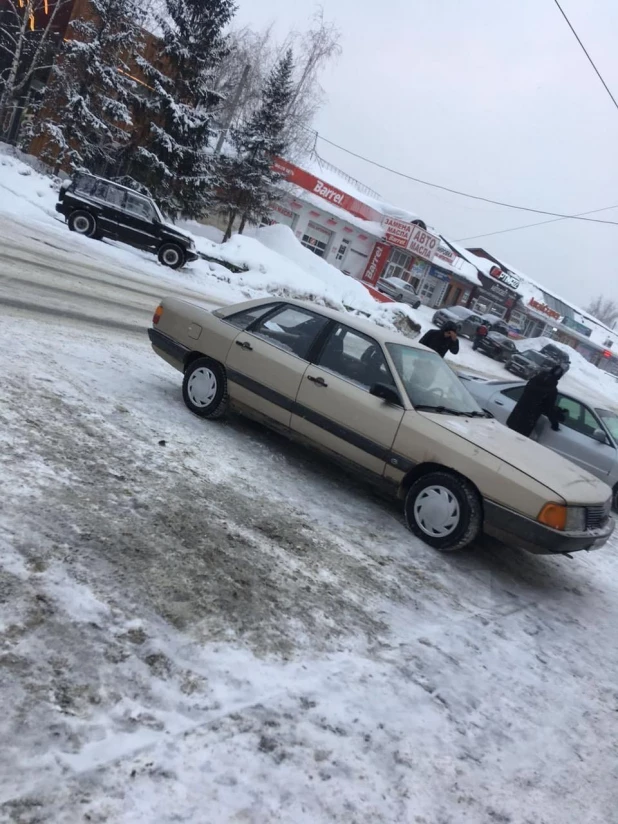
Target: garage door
316, 239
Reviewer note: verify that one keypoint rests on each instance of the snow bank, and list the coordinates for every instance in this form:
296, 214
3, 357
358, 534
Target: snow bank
277, 264
27, 193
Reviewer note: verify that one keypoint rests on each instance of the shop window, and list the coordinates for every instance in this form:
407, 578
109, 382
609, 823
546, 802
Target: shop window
400, 266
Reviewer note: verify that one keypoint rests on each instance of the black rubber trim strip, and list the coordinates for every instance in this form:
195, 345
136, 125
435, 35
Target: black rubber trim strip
327, 424
259, 389
168, 345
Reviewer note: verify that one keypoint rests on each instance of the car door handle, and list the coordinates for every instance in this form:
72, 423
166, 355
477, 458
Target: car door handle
317, 381
244, 344
498, 403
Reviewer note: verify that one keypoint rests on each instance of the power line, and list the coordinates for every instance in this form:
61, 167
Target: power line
592, 63
463, 194
540, 223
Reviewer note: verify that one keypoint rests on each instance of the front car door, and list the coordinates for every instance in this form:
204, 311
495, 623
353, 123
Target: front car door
138, 224
575, 439
334, 407
266, 362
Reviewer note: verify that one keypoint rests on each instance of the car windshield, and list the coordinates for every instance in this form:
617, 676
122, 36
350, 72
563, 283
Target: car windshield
160, 217
534, 356
610, 419
430, 384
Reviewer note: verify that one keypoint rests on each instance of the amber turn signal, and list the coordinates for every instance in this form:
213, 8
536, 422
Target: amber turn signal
554, 515
157, 315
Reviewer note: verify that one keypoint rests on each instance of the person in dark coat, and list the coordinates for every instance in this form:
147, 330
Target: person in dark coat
442, 340
481, 332
539, 397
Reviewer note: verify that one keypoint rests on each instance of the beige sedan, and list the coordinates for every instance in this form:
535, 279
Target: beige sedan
389, 408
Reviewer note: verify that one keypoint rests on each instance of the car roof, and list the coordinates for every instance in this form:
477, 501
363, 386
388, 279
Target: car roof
112, 183
379, 333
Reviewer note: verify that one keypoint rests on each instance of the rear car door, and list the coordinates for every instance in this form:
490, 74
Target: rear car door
334, 407
575, 439
503, 401
137, 224
266, 362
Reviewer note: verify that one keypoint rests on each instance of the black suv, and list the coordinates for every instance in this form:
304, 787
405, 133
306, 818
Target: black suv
99, 208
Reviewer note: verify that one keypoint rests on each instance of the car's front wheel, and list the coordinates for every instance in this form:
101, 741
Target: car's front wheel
83, 223
171, 255
444, 511
204, 389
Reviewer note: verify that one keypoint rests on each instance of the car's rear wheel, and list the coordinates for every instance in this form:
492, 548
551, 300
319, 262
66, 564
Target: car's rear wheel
444, 511
204, 389
83, 223
615, 498
171, 255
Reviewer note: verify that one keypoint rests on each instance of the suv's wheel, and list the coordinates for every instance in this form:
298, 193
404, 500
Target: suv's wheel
171, 255
444, 511
204, 388
615, 498
83, 223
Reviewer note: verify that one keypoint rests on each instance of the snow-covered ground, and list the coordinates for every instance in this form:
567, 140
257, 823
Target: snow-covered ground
202, 623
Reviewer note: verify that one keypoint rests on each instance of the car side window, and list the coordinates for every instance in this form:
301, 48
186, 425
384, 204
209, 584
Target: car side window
139, 207
292, 329
356, 357
514, 393
578, 417
115, 196
248, 316
85, 185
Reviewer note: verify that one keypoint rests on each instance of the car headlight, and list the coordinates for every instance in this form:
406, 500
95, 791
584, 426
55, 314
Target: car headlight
564, 518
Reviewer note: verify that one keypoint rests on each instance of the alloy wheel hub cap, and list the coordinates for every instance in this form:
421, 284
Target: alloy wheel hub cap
437, 511
202, 387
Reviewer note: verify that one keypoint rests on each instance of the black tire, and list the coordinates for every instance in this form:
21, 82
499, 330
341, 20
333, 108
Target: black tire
463, 525
416, 305
210, 399
399, 298
615, 498
171, 255
83, 223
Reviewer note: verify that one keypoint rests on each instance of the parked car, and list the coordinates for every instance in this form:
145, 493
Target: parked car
557, 355
455, 314
99, 208
588, 436
497, 346
399, 290
528, 363
389, 408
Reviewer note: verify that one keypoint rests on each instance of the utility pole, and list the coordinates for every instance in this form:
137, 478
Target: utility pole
233, 108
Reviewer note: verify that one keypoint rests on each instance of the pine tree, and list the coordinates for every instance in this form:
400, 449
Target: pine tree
86, 113
248, 180
170, 156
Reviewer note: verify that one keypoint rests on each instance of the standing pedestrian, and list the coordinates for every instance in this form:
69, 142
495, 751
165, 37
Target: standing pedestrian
481, 332
539, 397
442, 340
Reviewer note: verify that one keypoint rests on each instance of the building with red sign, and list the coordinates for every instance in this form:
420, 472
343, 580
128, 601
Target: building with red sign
366, 238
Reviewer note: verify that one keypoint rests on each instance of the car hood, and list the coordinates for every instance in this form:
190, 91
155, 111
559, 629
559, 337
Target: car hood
174, 230
566, 479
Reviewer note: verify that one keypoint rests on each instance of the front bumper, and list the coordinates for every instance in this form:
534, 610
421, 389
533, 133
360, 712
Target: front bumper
517, 530
519, 369
191, 255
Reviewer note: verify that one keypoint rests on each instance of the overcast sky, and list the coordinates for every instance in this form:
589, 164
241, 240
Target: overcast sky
492, 97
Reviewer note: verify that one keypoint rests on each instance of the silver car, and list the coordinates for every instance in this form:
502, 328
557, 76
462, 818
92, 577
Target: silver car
588, 436
399, 290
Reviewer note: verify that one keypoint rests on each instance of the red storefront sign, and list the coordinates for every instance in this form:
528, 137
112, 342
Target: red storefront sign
397, 232
544, 309
376, 264
423, 243
311, 183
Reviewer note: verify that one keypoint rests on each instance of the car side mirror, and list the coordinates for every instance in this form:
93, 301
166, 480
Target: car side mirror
386, 393
599, 436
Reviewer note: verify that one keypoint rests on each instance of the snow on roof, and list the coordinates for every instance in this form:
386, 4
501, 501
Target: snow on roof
369, 227
312, 164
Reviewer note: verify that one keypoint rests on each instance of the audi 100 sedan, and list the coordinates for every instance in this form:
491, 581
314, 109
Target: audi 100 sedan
389, 408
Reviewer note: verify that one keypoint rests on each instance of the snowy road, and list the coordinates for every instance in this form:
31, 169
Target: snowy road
202, 623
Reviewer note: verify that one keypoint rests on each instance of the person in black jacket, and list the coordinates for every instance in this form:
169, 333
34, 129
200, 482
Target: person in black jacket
539, 397
442, 340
